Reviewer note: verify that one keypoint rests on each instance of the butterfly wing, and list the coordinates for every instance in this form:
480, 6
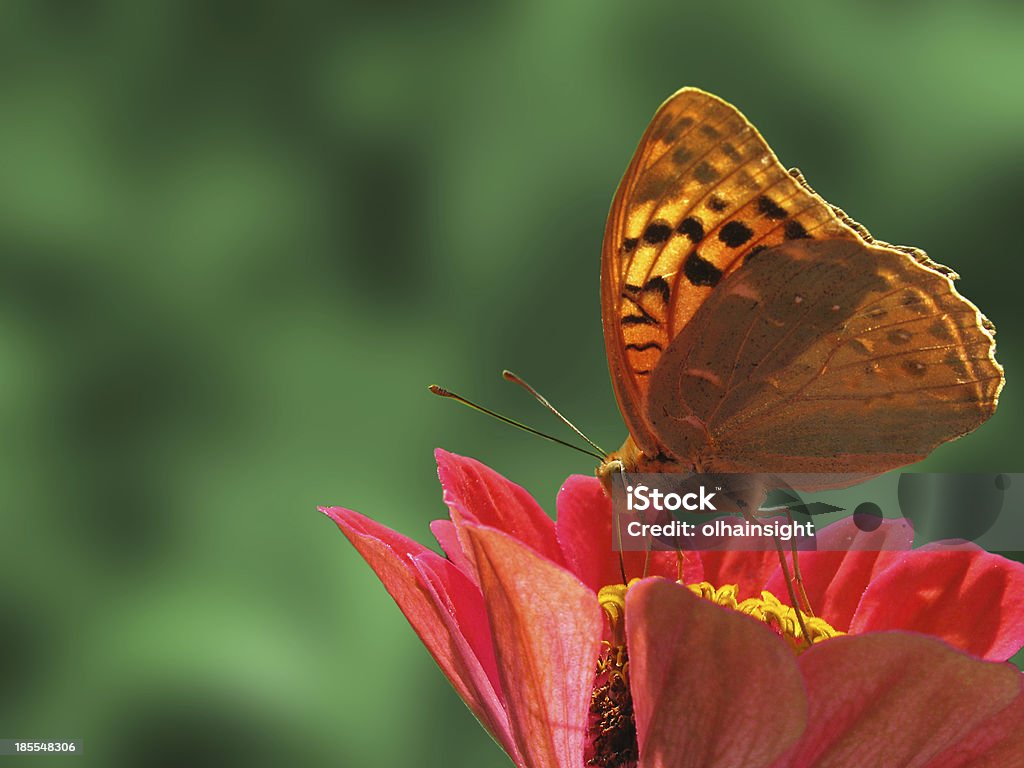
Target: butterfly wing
702, 191
752, 326
826, 356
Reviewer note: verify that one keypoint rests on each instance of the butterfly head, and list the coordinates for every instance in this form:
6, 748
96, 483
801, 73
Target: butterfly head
629, 458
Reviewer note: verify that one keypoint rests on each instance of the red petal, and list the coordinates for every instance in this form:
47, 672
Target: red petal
391, 556
894, 699
547, 629
996, 743
477, 495
970, 598
448, 537
711, 687
584, 529
463, 612
836, 576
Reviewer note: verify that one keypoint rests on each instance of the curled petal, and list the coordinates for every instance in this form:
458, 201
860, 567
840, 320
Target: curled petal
447, 536
477, 495
546, 629
710, 687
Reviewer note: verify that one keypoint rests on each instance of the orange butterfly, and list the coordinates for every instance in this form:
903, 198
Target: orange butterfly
753, 327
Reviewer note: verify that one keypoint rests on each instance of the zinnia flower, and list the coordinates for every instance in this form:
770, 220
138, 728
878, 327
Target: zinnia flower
566, 665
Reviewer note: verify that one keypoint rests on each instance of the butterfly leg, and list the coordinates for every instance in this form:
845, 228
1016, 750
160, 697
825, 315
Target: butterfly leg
787, 576
798, 579
790, 589
616, 526
680, 566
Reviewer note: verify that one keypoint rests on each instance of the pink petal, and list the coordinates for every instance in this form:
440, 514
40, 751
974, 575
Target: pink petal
391, 556
547, 629
972, 599
996, 743
584, 530
847, 560
448, 537
464, 615
711, 687
477, 495
894, 699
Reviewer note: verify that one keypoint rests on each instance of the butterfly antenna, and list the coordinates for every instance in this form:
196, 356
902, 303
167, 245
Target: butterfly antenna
516, 379
442, 392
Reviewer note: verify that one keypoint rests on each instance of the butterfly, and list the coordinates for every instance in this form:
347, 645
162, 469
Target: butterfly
751, 326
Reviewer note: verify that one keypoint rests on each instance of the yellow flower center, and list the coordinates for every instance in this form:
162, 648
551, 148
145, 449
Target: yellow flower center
769, 610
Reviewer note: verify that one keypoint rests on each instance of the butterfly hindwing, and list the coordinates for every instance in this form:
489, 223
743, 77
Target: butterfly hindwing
825, 356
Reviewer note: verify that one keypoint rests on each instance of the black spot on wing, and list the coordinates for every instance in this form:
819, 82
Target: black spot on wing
629, 244
717, 203
795, 230
642, 347
682, 155
641, 316
658, 285
710, 131
700, 271
657, 232
705, 172
692, 228
638, 320
769, 208
735, 234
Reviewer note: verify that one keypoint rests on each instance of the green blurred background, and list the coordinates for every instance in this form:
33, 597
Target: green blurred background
237, 241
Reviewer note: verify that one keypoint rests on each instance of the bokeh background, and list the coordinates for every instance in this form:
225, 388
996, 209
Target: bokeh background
238, 240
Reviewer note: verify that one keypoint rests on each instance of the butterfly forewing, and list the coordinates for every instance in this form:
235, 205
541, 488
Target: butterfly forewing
751, 325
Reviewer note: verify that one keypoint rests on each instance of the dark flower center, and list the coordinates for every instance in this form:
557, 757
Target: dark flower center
612, 725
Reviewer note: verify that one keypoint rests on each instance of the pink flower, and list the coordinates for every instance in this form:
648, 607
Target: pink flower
567, 666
